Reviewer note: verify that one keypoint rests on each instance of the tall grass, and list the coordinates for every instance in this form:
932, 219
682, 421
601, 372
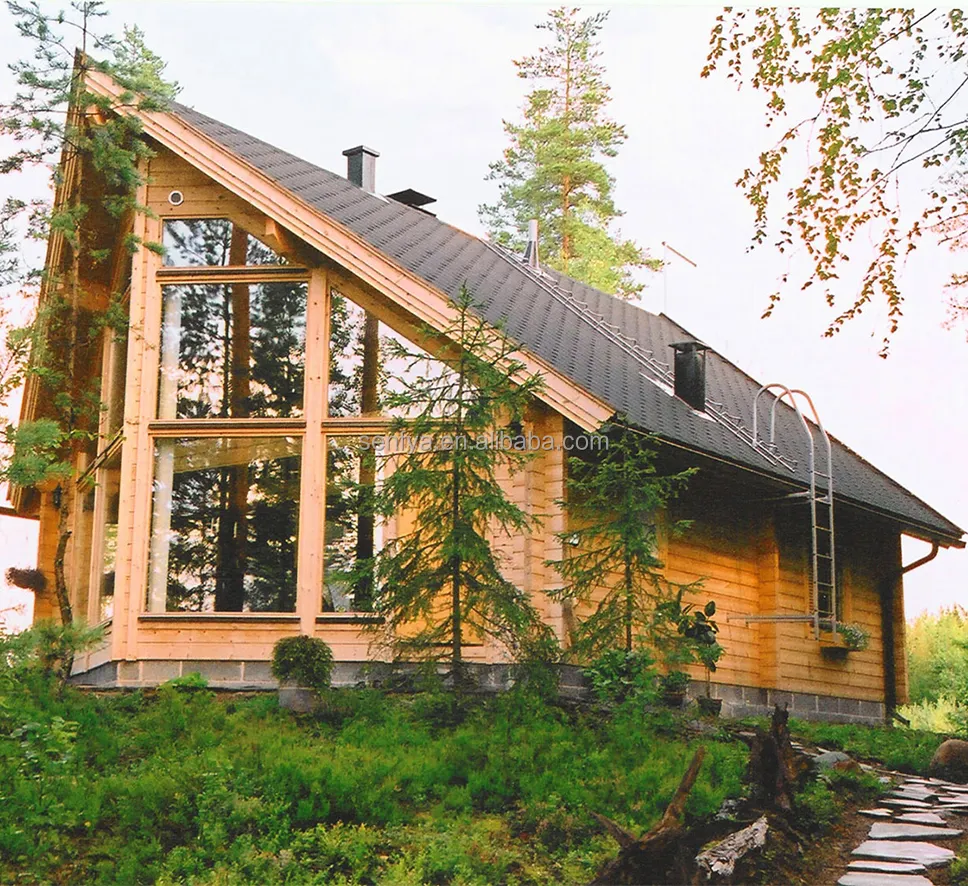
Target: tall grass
184, 786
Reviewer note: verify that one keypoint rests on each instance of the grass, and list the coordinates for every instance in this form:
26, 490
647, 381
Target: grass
900, 748
184, 786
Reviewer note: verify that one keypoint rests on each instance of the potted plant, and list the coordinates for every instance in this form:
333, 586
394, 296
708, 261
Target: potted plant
700, 629
617, 676
674, 686
304, 667
849, 638
855, 638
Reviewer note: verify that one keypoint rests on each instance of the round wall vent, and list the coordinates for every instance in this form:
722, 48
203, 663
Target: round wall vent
176, 198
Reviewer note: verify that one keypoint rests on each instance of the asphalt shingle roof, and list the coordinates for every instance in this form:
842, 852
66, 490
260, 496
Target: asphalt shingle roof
564, 322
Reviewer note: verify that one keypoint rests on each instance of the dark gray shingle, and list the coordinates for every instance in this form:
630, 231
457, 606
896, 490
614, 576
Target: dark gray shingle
538, 317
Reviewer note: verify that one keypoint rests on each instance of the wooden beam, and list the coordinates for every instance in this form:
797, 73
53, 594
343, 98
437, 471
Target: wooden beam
347, 249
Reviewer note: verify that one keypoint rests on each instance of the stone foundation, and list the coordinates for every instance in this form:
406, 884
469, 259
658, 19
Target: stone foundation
738, 701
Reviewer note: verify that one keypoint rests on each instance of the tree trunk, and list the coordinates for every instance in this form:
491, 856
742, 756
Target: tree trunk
369, 405
645, 859
775, 768
60, 579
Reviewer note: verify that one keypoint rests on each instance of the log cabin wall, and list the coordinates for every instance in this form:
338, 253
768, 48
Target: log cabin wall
736, 542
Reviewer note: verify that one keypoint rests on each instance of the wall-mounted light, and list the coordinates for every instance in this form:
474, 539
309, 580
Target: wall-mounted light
56, 497
176, 198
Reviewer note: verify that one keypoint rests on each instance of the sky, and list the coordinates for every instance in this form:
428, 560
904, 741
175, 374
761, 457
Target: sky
428, 85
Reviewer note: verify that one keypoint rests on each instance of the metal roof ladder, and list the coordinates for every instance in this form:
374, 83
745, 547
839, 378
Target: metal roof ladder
820, 498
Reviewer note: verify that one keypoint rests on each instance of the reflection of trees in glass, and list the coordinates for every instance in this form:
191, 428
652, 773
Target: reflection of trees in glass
240, 350
342, 591
200, 242
232, 539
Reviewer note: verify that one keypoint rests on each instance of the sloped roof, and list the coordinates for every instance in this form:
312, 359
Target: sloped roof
615, 350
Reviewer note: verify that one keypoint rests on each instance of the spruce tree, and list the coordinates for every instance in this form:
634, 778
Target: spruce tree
554, 169
613, 502
439, 584
99, 145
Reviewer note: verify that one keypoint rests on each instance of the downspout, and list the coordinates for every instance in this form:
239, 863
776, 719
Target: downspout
888, 587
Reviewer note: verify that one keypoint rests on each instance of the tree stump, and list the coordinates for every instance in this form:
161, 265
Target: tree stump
775, 770
644, 859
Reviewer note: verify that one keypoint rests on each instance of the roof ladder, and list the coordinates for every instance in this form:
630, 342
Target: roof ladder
820, 497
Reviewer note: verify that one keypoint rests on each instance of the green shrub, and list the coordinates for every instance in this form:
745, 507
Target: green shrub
618, 675
817, 807
675, 682
191, 680
305, 661
907, 750
958, 872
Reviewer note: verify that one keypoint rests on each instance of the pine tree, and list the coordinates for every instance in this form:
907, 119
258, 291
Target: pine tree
439, 584
613, 502
554, 168
99, 143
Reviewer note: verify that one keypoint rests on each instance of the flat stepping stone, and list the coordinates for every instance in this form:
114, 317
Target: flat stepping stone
922, 818
890, 830
901, 850
862, 878
876, 813
907, 804
887, 867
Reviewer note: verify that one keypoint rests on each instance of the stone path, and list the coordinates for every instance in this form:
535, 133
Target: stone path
901, 847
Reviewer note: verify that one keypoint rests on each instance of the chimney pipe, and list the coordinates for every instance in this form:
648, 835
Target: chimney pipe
690, 373
361, 167
531, 250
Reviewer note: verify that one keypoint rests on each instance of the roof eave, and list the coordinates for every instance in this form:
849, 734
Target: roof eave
341, 245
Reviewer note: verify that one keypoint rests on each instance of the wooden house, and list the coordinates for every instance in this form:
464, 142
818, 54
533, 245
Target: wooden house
208, 521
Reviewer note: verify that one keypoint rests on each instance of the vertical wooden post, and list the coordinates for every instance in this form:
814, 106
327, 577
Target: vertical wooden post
144, 321
312, 501
555, 472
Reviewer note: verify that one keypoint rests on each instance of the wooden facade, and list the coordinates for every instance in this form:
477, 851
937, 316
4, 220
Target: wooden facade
741, 543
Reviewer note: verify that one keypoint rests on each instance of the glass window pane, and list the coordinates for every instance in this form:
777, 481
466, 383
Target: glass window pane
224, 522
353, 536
114, 381
232, 350
109, 490
369, 363
81, 546
207, 242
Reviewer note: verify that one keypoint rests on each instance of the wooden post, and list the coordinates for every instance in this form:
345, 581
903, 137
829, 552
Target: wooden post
312, 541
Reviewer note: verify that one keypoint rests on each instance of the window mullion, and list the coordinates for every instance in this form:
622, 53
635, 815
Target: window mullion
313, 492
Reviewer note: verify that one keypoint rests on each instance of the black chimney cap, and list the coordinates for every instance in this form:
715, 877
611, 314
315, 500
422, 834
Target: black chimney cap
360, 149
688, 347
413, 199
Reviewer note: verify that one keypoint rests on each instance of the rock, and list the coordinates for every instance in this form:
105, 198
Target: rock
906, 803
896, 850
890, 830
832, 760
876, 813
909, 794
887, 867
861, 878
922, 818
950, 761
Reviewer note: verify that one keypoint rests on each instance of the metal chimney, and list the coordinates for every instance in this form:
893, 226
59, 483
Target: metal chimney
690, 373
361, 167
531, 250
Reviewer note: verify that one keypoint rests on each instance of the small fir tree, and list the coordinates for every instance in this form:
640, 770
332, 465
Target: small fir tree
53, 112
439, 584
554, 168
613, 502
